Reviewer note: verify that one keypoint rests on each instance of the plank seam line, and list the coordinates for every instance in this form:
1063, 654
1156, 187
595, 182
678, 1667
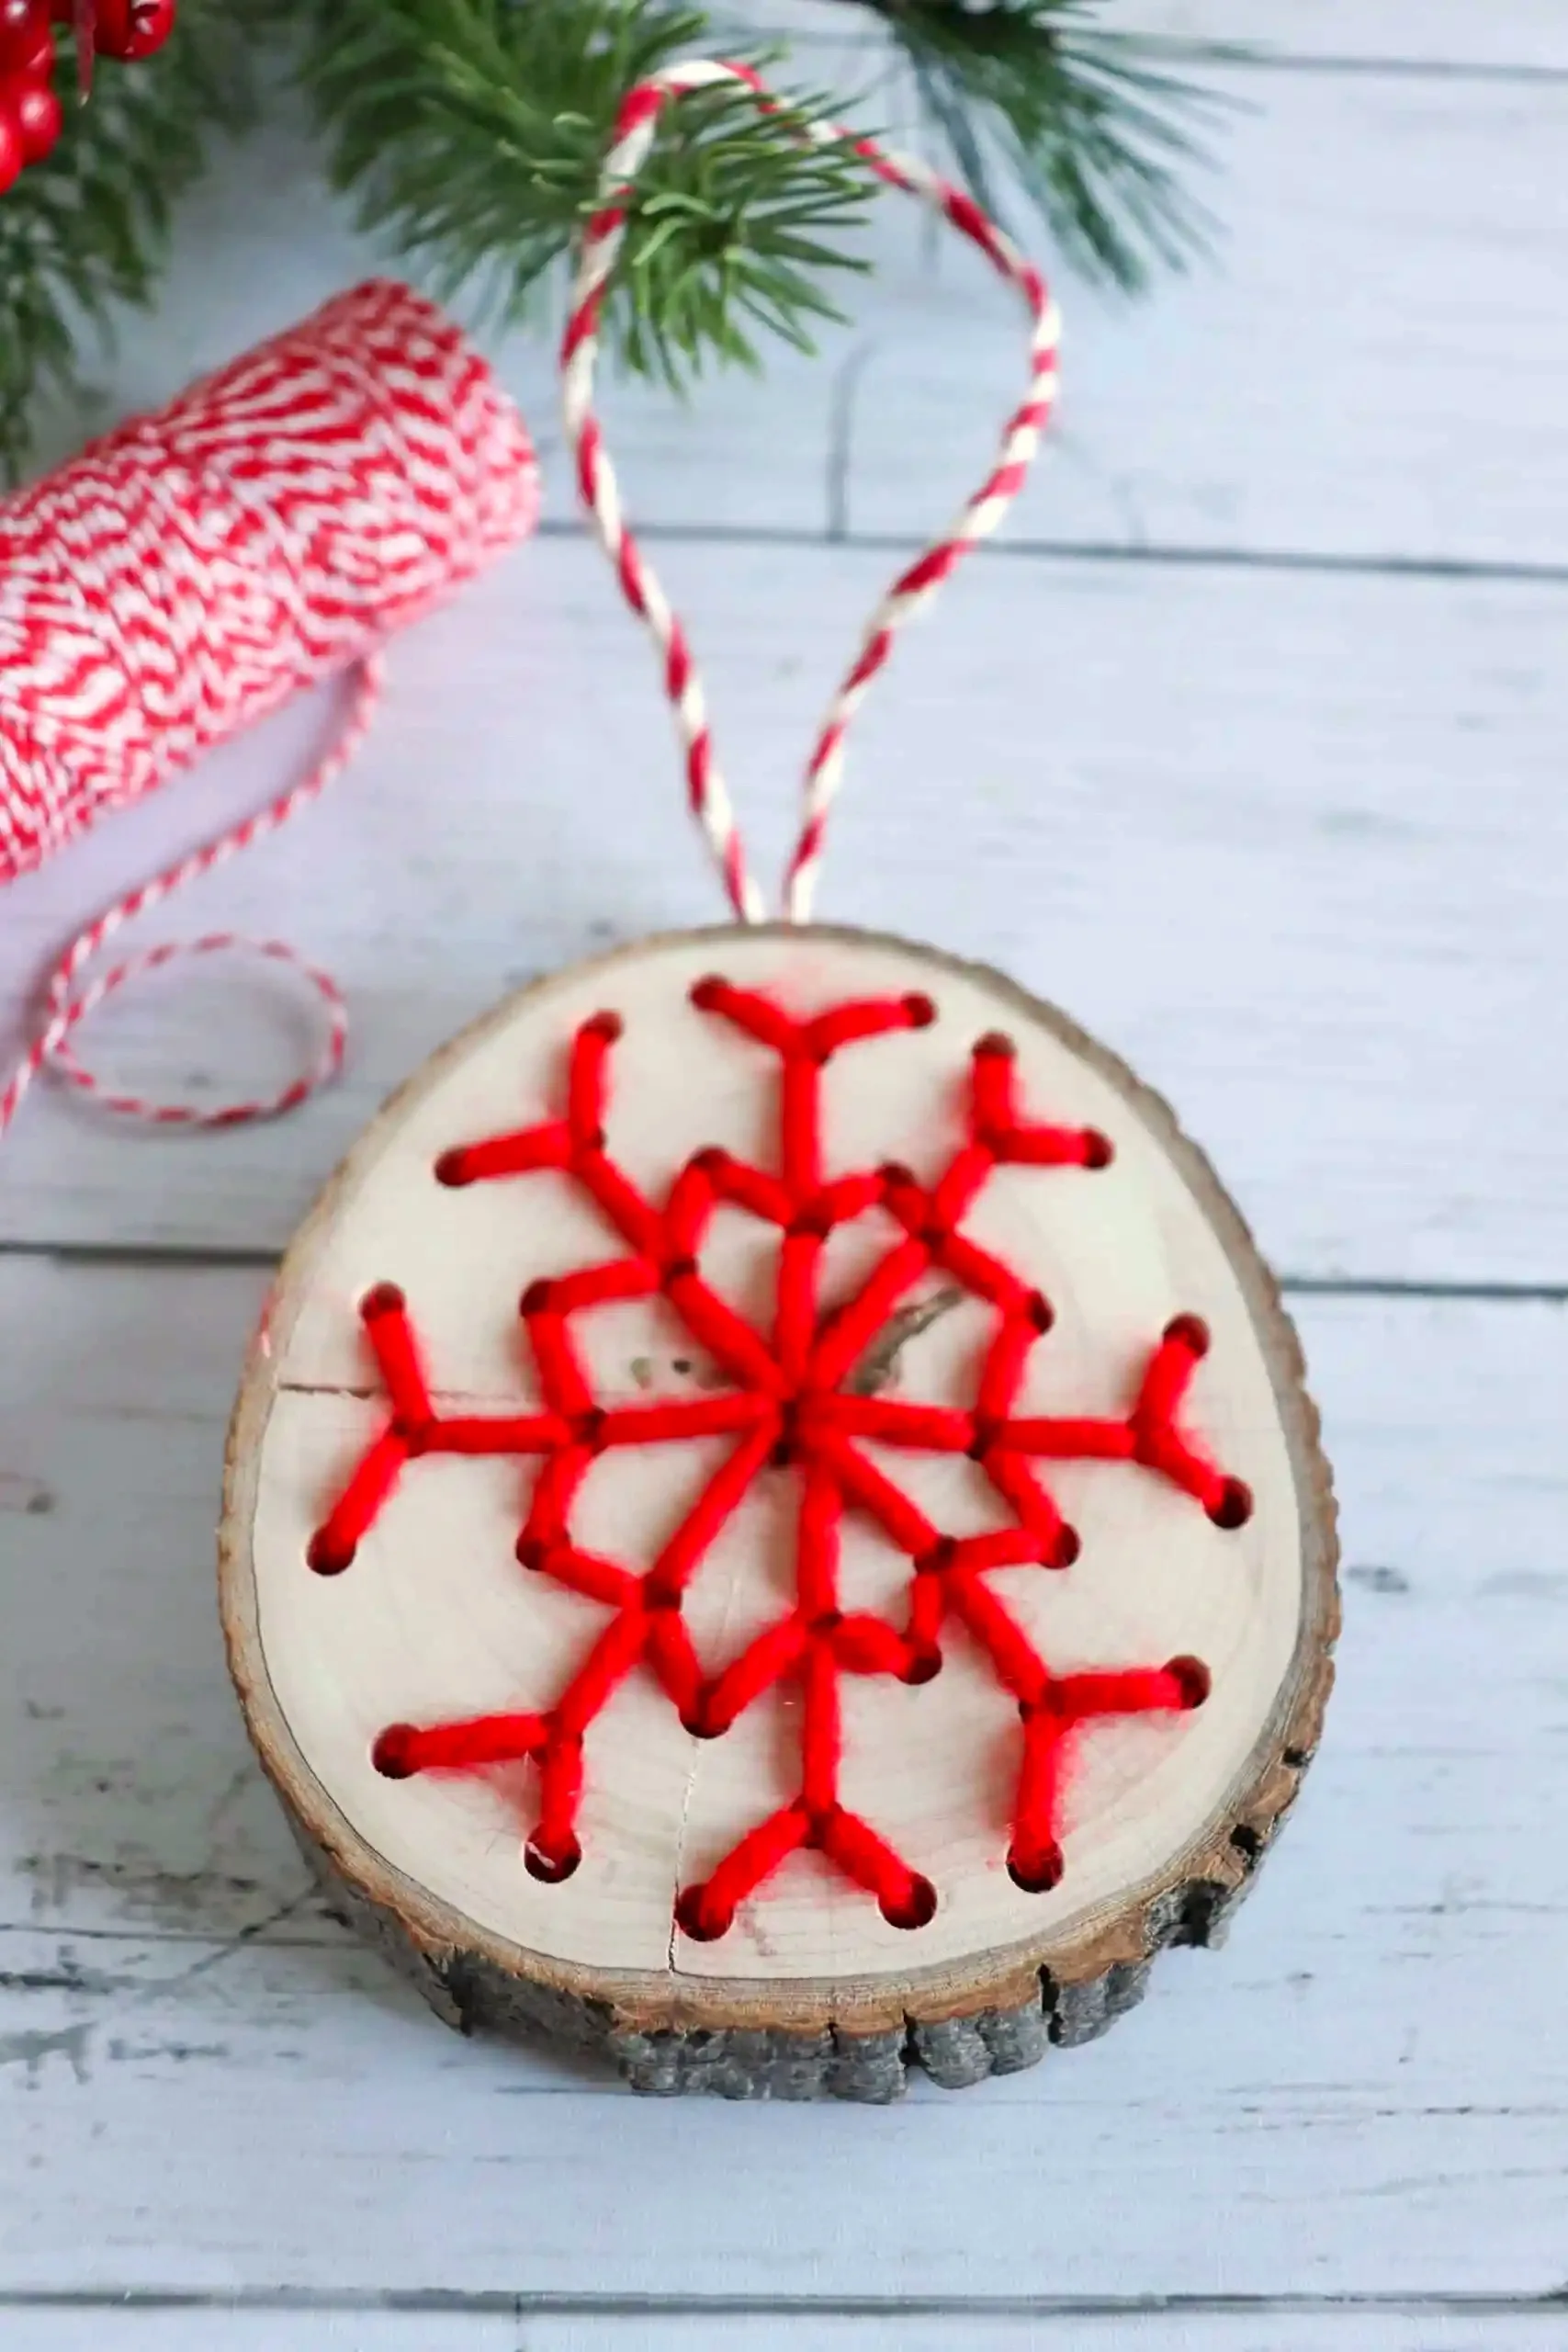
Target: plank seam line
436, 2301
239, 1258
1235, 56
1172, 556
59, 1932
1393, 69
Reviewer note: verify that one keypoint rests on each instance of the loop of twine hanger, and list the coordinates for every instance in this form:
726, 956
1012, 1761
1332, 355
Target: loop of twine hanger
709, 798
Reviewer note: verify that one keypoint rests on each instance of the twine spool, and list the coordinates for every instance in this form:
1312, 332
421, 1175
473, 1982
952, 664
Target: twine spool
269, 529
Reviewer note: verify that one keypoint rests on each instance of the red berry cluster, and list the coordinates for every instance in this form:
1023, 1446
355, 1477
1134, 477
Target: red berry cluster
31, 115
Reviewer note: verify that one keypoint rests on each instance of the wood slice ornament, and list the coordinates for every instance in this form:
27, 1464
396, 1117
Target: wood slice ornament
773, 1527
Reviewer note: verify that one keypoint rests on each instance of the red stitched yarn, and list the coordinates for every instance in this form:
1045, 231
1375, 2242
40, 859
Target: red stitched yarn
789, 1406
182, 576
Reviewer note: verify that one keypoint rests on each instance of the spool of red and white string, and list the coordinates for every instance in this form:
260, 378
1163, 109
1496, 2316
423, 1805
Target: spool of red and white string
268, 530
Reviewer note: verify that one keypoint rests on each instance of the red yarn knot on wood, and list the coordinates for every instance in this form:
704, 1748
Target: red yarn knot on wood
791, 1403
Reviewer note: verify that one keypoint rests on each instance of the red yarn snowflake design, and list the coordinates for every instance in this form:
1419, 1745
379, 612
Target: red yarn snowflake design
793, 1401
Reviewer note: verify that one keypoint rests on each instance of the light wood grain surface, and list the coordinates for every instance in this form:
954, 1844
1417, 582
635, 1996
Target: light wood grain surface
1250, 751
1438, 36
509, 2323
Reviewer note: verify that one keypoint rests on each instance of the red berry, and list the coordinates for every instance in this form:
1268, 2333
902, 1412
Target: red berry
40, 65
130, 29
39, 117
12, 153
24, 27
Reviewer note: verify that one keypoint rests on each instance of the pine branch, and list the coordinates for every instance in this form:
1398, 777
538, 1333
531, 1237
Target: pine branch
1095, 126
87, 229
473, 133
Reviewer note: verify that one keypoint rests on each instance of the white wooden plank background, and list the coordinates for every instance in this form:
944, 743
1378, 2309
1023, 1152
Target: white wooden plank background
1357, 374
1447, 34
157, 2327
1368, 2090
1339, 804
1261, 769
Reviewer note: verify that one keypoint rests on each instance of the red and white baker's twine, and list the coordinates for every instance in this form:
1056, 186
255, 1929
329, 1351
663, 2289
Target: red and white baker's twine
709, 799
182, 576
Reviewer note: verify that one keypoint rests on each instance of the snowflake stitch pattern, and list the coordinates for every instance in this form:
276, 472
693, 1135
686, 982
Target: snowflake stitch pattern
793, 1400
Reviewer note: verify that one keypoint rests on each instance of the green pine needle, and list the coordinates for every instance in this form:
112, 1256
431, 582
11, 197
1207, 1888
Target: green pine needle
86, 230
1095, 127
473, 133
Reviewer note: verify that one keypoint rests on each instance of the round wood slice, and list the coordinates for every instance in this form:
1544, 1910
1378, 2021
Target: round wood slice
1161, 1808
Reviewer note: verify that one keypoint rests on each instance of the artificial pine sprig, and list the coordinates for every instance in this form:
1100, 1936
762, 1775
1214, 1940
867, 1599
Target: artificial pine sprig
471, 134
1095, 127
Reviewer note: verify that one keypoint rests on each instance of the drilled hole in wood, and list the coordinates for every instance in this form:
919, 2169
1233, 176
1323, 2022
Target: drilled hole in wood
550, 1869
1038, 1872
391, 1754
916, 1909
1233, 1506
694, 1920
326, 1557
